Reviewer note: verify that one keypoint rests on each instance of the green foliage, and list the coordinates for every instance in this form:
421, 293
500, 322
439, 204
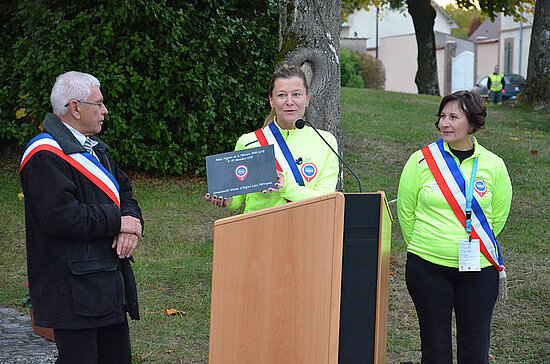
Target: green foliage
181, 79
350, 68
372, 71
464, 17
361, 70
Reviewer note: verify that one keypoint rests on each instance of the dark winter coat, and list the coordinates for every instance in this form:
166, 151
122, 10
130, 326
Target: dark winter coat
75, 277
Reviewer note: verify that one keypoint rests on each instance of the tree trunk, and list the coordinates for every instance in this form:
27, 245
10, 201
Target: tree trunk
309, 37
423, 16
537, 90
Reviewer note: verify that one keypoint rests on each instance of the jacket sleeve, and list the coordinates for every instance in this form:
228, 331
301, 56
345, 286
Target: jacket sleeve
50, 195
128, 205
326, 182
501, 199
407, 197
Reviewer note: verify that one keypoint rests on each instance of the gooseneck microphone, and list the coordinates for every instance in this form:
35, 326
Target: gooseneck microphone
300, 123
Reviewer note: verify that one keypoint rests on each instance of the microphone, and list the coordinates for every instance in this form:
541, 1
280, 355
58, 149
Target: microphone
300, 123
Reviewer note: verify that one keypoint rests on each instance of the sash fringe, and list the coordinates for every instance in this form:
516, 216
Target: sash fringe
502, 286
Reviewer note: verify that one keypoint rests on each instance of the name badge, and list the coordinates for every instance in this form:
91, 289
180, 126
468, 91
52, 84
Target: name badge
468, 255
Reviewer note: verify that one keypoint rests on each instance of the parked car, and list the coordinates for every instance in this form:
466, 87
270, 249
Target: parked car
513, 86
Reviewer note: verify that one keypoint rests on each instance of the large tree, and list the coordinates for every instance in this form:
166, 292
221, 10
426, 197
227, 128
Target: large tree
309, 37
423, 16
537, 91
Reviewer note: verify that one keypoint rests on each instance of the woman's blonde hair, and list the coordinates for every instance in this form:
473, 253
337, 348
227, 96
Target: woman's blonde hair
285, 71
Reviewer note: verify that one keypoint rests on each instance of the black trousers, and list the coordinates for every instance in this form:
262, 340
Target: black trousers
436, 291
103, 345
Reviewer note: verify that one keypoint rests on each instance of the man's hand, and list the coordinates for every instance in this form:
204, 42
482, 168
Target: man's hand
130, 225
125, 244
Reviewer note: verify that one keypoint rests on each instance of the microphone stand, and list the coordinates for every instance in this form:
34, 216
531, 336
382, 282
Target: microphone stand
300, 123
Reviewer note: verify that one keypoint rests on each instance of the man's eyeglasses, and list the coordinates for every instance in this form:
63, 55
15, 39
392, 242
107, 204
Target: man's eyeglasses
98, 104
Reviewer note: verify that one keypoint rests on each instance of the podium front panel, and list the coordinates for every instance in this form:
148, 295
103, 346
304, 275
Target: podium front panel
276, 284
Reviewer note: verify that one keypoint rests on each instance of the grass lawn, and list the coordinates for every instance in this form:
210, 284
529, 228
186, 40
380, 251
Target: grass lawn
380, 130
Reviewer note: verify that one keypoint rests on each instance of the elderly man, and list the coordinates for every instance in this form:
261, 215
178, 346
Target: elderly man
82, 226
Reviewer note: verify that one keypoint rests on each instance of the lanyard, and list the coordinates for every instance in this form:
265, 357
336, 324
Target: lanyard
469, 198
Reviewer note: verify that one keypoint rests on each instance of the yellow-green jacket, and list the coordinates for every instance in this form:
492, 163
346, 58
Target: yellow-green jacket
429, 226
306, 147
496, 82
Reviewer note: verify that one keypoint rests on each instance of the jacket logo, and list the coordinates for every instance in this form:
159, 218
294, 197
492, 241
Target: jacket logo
480, 187
309, 171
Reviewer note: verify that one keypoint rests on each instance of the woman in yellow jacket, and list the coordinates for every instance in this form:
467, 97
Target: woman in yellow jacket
316, 171
454, 198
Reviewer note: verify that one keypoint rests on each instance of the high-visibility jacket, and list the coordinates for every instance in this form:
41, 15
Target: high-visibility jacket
496, 82
306, 148
430, 228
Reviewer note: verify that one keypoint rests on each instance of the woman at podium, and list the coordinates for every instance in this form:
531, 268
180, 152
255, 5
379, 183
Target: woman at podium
306, 167
453, 200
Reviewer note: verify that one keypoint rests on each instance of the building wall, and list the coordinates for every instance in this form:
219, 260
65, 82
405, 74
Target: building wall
440, 59
486, 59
399, 54
519, 37
362, 24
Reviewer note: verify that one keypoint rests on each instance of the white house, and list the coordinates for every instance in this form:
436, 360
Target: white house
391, 37
504, 42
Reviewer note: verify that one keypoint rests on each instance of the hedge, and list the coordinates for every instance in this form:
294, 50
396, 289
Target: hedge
181, 79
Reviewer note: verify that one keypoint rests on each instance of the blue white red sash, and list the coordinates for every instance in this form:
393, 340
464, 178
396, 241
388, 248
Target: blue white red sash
452, 184
85, 163
283, 157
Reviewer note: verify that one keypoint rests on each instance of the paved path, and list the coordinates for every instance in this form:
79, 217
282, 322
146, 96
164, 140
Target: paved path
19, 344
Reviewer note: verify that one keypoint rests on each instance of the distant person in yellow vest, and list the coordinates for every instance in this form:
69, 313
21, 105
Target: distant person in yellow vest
495, 84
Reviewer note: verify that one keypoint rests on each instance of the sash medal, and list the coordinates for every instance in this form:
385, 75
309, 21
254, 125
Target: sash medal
453, 186
85, 163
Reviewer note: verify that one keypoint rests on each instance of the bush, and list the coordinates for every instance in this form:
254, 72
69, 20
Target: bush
181, 79
372, 71
350, 67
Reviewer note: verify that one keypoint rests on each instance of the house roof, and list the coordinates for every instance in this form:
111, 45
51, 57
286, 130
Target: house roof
461, 44
487, 30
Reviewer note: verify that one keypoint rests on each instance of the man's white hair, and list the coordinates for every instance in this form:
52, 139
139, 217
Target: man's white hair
71, 86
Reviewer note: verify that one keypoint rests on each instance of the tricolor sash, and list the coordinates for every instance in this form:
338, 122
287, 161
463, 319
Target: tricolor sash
85, 163
283, 157
452, 184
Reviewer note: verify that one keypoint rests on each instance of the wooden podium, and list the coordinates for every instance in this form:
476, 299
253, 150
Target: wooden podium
306, 282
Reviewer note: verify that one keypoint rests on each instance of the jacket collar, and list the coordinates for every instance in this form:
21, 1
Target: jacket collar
67, 141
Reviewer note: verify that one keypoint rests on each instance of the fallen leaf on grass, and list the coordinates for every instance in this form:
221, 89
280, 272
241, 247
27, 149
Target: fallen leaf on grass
170, 352
491, 356
173, 312
155, 287
20, 196
514, 138
535, 152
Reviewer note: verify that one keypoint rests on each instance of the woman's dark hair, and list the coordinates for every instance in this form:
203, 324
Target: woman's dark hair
285, 71
471, 104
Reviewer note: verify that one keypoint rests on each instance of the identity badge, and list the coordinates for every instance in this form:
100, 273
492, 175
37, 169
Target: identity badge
468, 255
